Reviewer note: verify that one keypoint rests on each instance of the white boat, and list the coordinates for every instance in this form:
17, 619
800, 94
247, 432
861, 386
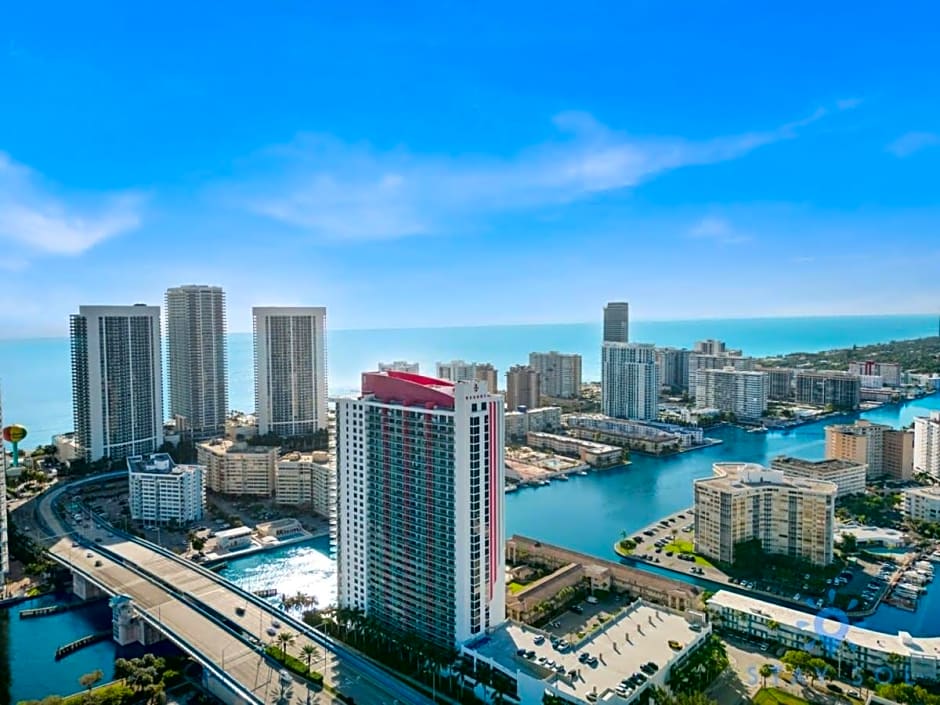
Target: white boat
511, 488
561, 477
582, 472
909, 588
545, 482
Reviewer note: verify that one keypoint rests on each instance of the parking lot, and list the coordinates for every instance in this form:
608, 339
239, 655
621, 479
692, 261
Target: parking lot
582, 618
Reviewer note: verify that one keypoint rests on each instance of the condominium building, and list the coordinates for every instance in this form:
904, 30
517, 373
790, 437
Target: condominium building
922, 504
399, 366
306, 480
840, 390
927, 444
714, 347
672, 367
629, 381
650, 437
162, 492
739, 392
458, 371
420, 533
290, 370
559, 374
237, 468
522, 387
196, 359
519, 423
744, 501
117, 380
847, 475
889, 372
594, 454
4, 529
779, 382
617, 322
703, 361
887, 452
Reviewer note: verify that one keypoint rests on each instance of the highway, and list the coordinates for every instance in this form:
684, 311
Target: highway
221, 625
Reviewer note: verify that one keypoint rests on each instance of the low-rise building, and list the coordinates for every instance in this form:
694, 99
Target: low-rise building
519, 423
922, 504
594, 454
162, 492
238, 469
649, 437
840, 390
306, 480
280, 528
745, 501
891, 657
927, 444
233, 539
848, 475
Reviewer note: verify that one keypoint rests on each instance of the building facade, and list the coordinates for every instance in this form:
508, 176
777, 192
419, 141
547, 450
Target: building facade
703, 361
743, 501
559, 374
890, 372
163, 493
290, 370
740, 392
847, 475
117, 380
594, 454
519, 423
927, 444
399, 366
522, 387
922, 504
839, 390
306, 480
458, 371
238, 469
420, 532
629, 381
886, 451
617, 322
197, 364
779, 382
672, 366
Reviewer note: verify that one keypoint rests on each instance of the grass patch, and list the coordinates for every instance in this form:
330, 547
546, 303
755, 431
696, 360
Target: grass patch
680, 546
515, 588
776, 696
294, 665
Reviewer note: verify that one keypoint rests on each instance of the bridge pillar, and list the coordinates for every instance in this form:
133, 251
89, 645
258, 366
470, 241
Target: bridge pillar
220, 690
85, 589
128, 627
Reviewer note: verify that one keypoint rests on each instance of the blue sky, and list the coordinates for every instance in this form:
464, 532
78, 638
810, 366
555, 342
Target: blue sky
411, 164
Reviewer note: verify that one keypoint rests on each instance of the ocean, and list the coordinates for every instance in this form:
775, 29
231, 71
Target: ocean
37, 389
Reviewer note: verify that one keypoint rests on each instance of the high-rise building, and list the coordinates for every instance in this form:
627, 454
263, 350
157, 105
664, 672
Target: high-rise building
4, 529
703, 361
306, 480
713, 347
196, 359
290, 370
744, 501
162, 492
848, 475
617, 322
559, 374
399, 366
672, 366
890, 372
886, 451
522, 387
420, 532
839, 390
780, 382
458, 371
927, 444
739, 392
117, 380
237, 468
629, 381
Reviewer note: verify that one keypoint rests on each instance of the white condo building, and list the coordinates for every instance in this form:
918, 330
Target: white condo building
196, 359
927, 444
420, 532
629, 381
162, 492
559, 374
400, 366
117, 380
290, 370
740, 392
922, 504
458, 370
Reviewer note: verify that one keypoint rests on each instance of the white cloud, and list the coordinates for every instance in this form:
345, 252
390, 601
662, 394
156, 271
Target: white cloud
717, 230
344, 191
34, 217
911, 142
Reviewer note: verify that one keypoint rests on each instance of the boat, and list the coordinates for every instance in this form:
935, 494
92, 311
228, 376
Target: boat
511, 488
759, 429
564, 478
544, 482
582, 473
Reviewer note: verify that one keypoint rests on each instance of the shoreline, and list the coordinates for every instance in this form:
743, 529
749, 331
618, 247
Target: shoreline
219, 559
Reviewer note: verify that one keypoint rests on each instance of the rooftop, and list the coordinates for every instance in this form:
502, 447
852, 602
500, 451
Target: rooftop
746, 475
932, 492
813, 626
155, 463
640, 634
408, 388
220, 446
830, 465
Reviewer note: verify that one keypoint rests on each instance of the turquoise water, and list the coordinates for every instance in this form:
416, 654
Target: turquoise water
33, 670
36, 382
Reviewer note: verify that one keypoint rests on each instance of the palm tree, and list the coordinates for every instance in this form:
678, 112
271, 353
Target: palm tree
285, 639
308, 651
766, 671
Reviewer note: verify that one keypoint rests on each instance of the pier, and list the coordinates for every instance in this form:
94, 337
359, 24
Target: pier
55, 609
74, 646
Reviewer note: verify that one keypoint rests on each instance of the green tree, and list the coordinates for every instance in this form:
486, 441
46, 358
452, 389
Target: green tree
308, 651
284, 640
90, 680
766, 671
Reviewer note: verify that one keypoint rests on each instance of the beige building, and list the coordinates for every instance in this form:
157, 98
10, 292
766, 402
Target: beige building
522, 387
594, 454
886, 451
306, 480
457, 370
744, 501
519, 423
848, 475
238, 468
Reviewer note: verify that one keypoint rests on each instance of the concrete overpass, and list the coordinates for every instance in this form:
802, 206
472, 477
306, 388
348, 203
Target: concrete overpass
222, 626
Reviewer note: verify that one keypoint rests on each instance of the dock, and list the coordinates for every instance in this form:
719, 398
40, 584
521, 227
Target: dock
54, 609
74, 646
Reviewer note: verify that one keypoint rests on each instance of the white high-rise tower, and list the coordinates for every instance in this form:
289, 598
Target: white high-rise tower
117, 380
629, 381
196, 359
290, 370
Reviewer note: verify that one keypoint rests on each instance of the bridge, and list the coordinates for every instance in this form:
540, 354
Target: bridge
221, 626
